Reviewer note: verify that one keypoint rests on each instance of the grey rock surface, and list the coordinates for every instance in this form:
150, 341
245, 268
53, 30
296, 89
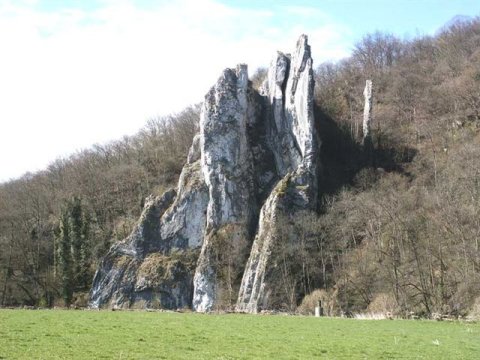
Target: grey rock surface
367, 110
297, 190
154, 265
227, 168
255, 156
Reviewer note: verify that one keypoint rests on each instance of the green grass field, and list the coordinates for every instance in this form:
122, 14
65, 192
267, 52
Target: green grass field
61, 334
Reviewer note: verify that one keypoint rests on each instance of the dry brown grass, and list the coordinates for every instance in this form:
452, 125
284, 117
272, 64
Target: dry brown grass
383, 303
310, 301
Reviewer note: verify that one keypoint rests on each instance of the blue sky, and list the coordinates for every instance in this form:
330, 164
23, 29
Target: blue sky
405, 18
402, 17
78, 72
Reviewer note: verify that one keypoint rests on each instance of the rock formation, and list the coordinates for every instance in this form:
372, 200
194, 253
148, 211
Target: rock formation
367, 110
154, 265
228, 172
295, 143
254, 158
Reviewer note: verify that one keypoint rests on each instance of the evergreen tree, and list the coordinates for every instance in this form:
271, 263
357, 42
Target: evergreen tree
73, 243
65, 258
85, 275
75, 215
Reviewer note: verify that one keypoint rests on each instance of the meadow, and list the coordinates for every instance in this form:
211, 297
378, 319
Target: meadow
70, 334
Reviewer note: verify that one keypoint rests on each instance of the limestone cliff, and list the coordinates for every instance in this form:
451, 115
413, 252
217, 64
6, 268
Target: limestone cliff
154, 265
295, 140
254, 157
228, 171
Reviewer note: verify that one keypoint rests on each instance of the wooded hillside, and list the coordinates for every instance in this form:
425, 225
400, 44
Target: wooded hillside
398, 229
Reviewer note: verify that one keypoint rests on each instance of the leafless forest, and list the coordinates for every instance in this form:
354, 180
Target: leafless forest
398, 228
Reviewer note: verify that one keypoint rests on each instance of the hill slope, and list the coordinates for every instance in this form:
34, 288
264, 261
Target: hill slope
397, 229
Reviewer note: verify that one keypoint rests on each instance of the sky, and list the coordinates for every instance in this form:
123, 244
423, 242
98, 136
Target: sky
77, 72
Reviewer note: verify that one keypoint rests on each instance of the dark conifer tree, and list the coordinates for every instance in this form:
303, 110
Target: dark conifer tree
65, 258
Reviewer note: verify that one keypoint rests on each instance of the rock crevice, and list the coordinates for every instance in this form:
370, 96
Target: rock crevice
297, 189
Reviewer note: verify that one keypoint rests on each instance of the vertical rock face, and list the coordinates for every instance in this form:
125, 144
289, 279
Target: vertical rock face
280, 138
297, 190
367, 110
254, 157
227, 169
225, 155
299, 103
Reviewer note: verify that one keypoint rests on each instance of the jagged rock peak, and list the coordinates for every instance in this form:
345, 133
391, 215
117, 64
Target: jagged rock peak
291, 130
301, 58
256, 154
294, 141
228, 171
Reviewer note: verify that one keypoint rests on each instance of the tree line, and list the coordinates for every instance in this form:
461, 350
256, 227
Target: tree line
56, 224
397, 230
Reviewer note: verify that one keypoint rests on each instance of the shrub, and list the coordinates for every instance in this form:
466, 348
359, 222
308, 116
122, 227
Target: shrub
310, 301
474, 313
383, 303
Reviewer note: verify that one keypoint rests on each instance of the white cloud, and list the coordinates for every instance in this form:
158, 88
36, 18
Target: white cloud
70, 78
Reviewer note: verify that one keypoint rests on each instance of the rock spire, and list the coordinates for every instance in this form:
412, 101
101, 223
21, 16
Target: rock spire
255, 157
367, 110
